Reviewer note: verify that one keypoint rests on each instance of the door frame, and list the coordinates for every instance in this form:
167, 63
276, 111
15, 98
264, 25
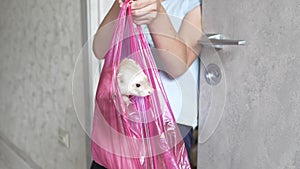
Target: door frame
92, 13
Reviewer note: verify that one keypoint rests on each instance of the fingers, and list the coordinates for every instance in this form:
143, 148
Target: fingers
143, 11
121, 2
145, 19
140, 4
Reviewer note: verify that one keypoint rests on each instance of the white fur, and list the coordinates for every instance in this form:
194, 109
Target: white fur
132, 80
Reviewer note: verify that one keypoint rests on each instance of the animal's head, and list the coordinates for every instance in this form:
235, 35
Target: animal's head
136, 85
139, 85
132, 80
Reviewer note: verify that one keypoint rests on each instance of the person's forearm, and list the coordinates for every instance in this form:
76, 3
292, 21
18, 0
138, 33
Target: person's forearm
172, 50
105, 31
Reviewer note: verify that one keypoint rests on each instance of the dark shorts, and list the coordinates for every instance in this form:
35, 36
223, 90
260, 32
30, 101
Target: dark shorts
187, 134
96, 166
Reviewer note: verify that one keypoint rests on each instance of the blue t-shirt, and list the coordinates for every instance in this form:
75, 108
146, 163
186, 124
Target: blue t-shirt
182, 91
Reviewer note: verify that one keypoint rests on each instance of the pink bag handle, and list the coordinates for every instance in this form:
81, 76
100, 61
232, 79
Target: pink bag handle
118, 36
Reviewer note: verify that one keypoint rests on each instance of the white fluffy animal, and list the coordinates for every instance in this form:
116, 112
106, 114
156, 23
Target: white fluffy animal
132, 81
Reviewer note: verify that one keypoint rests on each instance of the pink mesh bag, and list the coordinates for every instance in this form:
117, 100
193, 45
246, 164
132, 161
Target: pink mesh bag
144, 134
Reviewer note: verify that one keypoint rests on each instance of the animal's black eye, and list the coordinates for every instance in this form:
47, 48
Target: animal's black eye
137, 85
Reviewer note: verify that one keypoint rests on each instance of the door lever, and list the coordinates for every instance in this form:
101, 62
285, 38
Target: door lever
218, 41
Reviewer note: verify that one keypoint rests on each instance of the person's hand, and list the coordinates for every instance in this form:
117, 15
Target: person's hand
144, 11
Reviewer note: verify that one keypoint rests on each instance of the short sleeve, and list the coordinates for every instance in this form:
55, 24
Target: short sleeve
193, 4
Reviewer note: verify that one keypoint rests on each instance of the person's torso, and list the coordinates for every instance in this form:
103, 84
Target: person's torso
182, 92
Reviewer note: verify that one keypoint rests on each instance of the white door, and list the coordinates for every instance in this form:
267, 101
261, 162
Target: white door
251, 118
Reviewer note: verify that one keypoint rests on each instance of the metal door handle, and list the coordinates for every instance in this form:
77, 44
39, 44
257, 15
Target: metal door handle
218, 41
